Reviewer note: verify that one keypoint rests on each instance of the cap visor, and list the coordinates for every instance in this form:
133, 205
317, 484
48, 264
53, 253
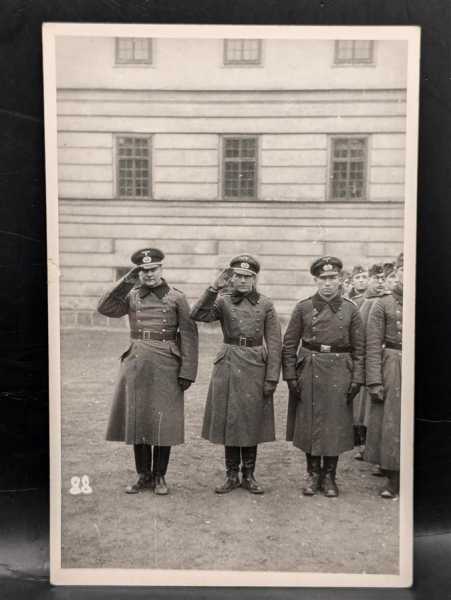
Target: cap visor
243, 271
151, 265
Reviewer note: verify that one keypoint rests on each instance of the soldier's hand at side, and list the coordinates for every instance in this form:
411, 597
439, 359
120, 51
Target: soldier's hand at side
184, 383
133, 275
293, 388
376, 392
269, 387
223, 279
354, 389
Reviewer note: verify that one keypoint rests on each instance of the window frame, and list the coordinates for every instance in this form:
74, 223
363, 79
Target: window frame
240, 62
134, 62
222, 158
366, 168
117, 193
353, 62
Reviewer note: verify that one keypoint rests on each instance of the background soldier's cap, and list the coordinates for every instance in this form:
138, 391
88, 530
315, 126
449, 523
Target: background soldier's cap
358, 269
376, 269
389, 267
400, 261
326, 265
147, 257
244, 263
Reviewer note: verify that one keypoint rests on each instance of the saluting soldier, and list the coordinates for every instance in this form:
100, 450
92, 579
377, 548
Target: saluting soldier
383, 378
362, 405
159, 365
239, 412
359, 284
323, 364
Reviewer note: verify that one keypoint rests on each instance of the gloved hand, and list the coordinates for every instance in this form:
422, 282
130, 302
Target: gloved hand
132, 276
376, 392
354, 389
223, 279
269, 387
184, 383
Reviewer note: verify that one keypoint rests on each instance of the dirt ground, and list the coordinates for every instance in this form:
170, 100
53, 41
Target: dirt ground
193, 528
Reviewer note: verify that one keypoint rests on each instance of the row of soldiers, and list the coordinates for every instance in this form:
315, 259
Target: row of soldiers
341, 364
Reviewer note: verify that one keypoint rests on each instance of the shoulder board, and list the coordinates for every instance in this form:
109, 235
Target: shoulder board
305, 300
350, 300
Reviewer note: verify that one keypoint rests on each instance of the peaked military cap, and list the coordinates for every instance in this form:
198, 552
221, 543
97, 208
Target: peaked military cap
357, 270
326, 265
400, 261
244, 263
147, 257
376, 269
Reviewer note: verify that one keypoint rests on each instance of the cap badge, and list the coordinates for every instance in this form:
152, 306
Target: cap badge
245, 265
328, 267
147, 259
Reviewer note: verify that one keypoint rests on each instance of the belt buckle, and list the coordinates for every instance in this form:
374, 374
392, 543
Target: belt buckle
146, 335
242, 340
325, 348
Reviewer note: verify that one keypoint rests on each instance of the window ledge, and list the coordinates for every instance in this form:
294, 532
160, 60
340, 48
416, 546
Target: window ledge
133, 66
353, 65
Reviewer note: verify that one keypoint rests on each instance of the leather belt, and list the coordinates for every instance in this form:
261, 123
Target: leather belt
393, 346
145, 334
248, 342
325, 347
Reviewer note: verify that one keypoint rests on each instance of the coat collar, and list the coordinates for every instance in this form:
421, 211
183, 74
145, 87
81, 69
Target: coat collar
160, 291
319, 302
253, 296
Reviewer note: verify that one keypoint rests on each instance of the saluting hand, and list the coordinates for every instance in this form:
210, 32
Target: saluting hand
376, 392
184, 383
354, 389
223, 279
132, 276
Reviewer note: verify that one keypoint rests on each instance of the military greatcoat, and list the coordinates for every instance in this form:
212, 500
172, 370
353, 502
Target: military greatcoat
236, 412
383, 366
148, 404
320, 419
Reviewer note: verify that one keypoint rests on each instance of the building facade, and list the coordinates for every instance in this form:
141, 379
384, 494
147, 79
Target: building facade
286, 149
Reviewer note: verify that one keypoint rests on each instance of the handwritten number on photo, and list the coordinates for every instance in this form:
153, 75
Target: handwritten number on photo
80, 485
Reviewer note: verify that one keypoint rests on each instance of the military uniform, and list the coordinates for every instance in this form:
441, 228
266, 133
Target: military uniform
148, 406
329, 359
383, 368
238, 414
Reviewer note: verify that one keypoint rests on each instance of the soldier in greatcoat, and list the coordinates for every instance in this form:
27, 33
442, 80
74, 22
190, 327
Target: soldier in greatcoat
383, 379
159, 365
359, 284
375, 289
323, 364
239, 412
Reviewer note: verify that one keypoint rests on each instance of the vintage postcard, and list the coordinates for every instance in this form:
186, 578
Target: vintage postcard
231, 244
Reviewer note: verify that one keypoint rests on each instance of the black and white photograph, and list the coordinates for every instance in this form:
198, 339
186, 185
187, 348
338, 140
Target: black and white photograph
231, 242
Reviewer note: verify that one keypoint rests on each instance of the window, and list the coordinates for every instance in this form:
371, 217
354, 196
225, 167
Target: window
239, 167
133, 164
133, 51
354, 52
348, 168
242, 52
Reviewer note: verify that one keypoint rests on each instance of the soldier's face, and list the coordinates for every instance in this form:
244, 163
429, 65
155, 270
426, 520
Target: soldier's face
328, 284
360, 281
377, 284
242, 282
151, 277
391, 281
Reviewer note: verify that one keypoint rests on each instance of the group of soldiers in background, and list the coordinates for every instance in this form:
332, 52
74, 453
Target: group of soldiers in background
340, 357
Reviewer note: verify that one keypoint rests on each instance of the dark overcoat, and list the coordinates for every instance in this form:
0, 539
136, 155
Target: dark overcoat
148, 404
383, 366
236, 412
362, 402
320, 419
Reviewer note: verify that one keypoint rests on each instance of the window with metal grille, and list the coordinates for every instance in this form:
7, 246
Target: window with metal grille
348, 169
133, 51
133, 164
354, 52
239, 167
242, 52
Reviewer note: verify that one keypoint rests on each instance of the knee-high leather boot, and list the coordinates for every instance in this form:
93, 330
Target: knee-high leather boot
143, 463
232, 465
330, 488
313, 482
249, 457
160, 466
